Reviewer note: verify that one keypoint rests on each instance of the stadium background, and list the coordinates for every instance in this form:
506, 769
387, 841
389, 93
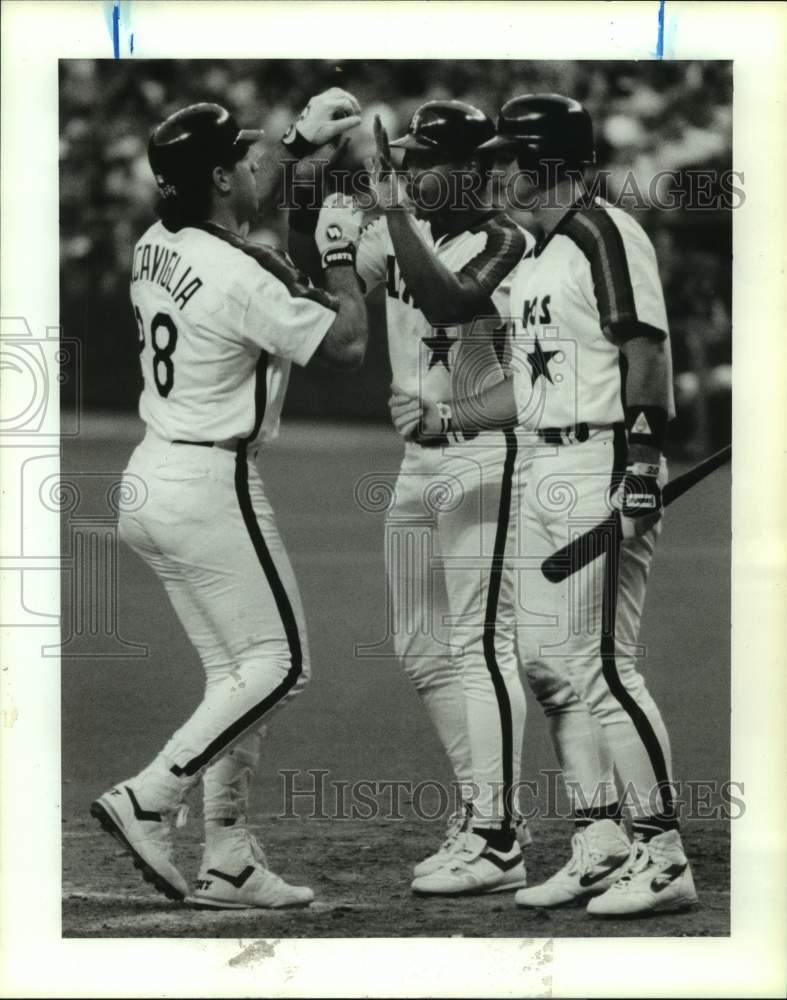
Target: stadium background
359, 719
649, 116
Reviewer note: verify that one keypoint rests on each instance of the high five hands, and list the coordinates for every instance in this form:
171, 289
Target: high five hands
390, 188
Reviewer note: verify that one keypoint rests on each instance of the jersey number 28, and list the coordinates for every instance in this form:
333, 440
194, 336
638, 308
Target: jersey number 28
164, 338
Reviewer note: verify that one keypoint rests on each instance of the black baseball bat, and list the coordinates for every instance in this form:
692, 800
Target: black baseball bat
587, 547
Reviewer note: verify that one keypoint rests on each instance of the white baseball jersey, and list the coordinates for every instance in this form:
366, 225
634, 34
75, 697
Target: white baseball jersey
597, 270
424, 358
220, 320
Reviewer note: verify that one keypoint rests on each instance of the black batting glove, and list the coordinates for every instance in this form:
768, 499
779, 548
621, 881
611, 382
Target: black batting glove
639, 500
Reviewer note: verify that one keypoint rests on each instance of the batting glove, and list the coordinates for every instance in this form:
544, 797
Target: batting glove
638, 498
338, 230
326, 117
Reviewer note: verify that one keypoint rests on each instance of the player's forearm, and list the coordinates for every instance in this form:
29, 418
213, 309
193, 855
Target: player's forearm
490, 410
647, 392
344, 345
438, 292
305, 193
273, 167
304, 253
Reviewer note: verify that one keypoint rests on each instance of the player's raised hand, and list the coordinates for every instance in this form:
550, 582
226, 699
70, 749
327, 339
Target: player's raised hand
390, 189
325, 118
383, 146
338, 230
315, 168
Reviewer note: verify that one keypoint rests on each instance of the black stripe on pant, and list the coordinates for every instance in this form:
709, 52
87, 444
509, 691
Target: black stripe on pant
250, 718
612, 544
490, 626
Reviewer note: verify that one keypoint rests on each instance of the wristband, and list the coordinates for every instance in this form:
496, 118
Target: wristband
296, 144
447, 421
647, 425
642, 469
338, 256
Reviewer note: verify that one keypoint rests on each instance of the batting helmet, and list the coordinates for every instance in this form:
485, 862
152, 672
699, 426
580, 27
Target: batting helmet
545, 127
450, 127
193, 141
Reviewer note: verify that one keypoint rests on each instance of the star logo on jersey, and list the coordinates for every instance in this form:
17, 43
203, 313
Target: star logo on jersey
440, 345
539, 363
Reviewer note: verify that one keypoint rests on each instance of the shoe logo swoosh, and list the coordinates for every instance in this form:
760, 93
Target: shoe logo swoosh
236, 880
143, 815
602, 870
504, 864
667, 877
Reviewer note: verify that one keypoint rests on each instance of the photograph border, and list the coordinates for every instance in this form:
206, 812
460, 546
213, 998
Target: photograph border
34, 959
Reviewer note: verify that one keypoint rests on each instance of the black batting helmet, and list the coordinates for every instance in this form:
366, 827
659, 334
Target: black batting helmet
539, 127
193, 141
450, 127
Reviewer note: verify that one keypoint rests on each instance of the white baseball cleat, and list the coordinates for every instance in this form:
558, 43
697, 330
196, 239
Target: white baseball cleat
473, 868
457, 823
462, 823
234, 875
145, 834
656, 879
598, 854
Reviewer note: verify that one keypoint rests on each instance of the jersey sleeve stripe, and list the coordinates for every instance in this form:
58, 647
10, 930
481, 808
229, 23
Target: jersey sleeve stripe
260, 394
505, 246
598, 238
274, 262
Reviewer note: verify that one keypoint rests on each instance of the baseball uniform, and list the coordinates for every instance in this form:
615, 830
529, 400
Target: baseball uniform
451, 613
597, 269
220, 322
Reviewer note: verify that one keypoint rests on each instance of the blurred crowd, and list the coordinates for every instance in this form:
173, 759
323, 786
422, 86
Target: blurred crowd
649, 116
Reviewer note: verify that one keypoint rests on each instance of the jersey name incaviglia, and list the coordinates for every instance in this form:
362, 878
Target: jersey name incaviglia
220, 321
597, 270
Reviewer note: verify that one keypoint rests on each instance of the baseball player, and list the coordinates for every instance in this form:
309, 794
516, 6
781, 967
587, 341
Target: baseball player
220, 322
442, 251
592, 380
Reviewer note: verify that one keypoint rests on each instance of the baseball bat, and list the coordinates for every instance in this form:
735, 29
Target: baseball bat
585, 548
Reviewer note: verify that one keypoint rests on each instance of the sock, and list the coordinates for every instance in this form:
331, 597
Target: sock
647, 827
498, 840
214, 830
584, 817
227, 782
158, 788
212, 825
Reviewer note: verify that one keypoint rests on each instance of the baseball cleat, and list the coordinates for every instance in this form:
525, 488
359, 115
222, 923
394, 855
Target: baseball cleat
461, 823
235, 876
473, 868
457, 823
598, 854
657, 878
145, 834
